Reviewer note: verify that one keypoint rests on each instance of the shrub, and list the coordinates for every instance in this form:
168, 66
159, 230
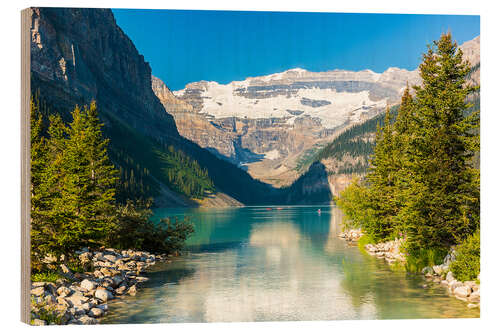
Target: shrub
134, 230
467, 264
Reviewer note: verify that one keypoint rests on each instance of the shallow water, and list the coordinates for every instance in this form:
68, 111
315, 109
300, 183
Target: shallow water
255, 264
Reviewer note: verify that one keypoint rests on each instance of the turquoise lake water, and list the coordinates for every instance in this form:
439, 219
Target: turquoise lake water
256, 264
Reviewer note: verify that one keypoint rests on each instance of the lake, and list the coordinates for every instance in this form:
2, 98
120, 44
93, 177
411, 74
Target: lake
286, 263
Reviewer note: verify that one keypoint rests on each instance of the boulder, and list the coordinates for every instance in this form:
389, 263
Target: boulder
474, 297
88, 285
103, 295
96, 312
76, 299
117, 279
38, 291
449, 276
86, 320
121, 290
437, 269
38, 322
463, 291
132, 290
110, 257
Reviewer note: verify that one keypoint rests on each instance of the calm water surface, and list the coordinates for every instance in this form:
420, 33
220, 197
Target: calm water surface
255, 264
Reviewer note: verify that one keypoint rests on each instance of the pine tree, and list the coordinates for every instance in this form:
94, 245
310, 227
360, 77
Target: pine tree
442, 200
381, 177
88, 183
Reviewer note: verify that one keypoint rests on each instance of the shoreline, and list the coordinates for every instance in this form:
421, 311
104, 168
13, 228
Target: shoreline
467, 291
81, 298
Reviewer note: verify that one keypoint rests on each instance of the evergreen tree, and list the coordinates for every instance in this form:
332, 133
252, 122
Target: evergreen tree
442, 198
88, 182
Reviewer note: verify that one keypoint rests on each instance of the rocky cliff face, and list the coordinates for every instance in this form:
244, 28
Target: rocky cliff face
80, 54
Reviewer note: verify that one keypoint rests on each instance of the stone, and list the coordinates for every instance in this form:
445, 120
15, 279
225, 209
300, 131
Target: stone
121, 290
132, 290
96, 312
65, 269
62, 301
103, 295
50, 299
462, 291
88, 285
141, 279
117, 280
86, 320
77, 299
449, 276
474, 297
427, 271
472, 305
39, 291
110, 257
38, 322
437, 269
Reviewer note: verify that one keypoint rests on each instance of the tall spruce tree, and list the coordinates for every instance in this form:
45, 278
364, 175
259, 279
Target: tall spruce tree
381, 179
442, 196
88, 183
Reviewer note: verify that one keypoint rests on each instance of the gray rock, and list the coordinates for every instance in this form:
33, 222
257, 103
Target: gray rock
38, 291
449, 276
86, 320
103, 295
472, 305
110, 257
437, 269
77, 299
38, 322
132, 290
88, 285
117, 279
474, 297
463, 291
96, 312
121, 290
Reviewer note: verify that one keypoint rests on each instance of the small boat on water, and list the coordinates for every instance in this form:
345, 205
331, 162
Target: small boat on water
319, 211
279, 208
269, 208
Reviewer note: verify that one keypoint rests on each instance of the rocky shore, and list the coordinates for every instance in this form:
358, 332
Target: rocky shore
81, 298
468, 291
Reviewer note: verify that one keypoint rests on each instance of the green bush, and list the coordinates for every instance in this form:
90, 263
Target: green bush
467, 264
135, 230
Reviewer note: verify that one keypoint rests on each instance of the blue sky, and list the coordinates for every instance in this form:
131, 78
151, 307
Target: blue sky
224, 46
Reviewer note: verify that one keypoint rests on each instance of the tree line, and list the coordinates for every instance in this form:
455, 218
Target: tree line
421, 184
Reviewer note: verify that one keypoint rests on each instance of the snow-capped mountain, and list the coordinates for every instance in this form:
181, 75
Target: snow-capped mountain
268, 124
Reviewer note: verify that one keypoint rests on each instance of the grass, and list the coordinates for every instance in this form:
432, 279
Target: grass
417, 260
46, 277
364, 240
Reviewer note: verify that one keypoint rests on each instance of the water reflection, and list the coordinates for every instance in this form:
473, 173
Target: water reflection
252, 264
